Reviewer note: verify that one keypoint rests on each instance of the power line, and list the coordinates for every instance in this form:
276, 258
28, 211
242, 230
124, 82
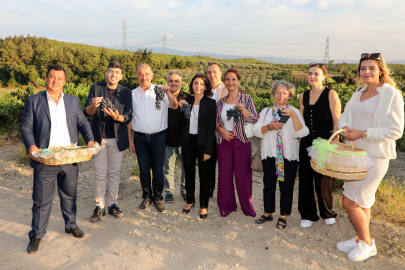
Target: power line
367, 49
282, 43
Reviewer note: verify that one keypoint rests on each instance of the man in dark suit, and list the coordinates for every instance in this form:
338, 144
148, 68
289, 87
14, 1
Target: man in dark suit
110, 130
52, 118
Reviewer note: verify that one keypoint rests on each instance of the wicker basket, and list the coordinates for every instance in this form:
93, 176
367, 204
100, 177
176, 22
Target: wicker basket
67, 160
352, 173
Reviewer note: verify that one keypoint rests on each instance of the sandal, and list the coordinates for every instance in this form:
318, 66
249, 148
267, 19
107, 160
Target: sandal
280, 225
263, 219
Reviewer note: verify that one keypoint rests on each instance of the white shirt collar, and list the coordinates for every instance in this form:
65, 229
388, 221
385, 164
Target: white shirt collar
49, 97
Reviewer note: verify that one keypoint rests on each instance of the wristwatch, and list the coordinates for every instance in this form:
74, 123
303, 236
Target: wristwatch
364, 135
116, 118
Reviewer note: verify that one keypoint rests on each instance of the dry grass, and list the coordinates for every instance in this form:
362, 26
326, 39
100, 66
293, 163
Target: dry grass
22, 156
389, 202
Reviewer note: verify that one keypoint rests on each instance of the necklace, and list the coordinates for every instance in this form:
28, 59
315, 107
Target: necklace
195, 117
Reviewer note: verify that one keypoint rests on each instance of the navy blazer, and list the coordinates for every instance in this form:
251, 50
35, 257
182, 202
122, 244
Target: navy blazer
206, 124
122, 102
36, 122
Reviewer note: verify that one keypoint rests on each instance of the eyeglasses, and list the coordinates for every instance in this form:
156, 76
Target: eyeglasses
316, 64
371, 56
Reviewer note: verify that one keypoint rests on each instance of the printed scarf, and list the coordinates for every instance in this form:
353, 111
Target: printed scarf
279, 146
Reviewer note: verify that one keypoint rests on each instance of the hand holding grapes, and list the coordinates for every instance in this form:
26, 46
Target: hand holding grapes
182, 102
275, 126
113, 114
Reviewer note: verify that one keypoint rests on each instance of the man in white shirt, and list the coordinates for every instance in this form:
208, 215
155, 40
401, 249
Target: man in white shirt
149, 124
218, 91
52, 118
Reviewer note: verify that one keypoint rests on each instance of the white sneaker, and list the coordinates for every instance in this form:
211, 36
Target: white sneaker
362, 251
330, 221
306, 223
348, 245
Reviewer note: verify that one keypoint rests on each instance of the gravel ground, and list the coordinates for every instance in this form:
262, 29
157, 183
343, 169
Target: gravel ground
150, 240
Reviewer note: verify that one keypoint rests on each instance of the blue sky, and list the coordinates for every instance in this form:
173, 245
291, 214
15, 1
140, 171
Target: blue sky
290, 28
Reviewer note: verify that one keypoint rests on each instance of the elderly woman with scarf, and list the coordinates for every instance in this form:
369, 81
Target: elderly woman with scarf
280, 127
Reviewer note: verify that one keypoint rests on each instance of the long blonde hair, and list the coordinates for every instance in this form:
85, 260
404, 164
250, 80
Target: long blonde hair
382, 66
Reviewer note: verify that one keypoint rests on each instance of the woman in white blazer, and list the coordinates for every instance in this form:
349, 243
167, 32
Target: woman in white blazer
279, 150
374, 119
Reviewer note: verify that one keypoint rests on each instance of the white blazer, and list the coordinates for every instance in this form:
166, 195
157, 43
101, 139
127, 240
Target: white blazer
388, 124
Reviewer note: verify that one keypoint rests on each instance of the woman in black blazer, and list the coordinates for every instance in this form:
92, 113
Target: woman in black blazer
197, 135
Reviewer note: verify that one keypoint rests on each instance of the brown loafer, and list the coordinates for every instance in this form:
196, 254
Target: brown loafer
77, 232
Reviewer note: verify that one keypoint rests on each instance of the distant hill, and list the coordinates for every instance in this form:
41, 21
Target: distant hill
275, 60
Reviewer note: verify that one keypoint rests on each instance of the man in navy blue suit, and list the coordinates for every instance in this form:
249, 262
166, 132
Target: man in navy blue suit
52, 118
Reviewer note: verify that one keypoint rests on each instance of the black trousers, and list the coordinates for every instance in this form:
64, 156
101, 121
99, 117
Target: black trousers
324, 186
213, 164
191, 152
286, 186
42, 195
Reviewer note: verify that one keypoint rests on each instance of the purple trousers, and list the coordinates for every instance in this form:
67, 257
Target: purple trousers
234, 157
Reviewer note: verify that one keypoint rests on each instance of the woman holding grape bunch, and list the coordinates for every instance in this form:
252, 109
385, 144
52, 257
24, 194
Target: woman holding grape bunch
197, 134
234, 147
280, 127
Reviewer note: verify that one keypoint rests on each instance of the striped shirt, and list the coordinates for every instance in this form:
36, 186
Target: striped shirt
238, 128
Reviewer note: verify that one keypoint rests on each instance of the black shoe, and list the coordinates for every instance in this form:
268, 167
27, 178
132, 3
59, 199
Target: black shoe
263, 219
77, 232
203, 216
184, 196
115, 211
145, 203
186, 211
160, 206
169, 198
97, 214
33, 246
211, 193
280, 224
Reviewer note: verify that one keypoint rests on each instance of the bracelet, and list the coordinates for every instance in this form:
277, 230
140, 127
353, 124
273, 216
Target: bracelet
268, 127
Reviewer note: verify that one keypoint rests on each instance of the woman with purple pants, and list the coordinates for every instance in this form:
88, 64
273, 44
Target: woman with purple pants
234, 148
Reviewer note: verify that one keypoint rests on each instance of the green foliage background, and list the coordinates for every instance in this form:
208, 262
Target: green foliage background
24, 62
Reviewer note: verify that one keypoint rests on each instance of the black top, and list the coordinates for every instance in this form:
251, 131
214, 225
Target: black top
173, 131
206, 124
109, 122
318, 117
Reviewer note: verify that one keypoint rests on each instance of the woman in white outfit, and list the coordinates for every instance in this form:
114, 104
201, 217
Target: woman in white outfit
374, 119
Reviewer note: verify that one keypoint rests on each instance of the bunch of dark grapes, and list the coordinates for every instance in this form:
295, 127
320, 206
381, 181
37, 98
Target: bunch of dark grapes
235, 113
160, 95
186, 108
106, 103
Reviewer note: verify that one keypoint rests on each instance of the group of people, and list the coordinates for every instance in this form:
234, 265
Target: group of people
213, 122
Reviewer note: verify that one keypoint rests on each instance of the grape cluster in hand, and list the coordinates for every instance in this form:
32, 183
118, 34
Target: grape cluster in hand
106, 103
186, 108
160, 95
235, 113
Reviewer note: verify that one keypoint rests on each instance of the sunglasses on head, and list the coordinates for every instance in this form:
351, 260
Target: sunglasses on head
316, 64
371, 56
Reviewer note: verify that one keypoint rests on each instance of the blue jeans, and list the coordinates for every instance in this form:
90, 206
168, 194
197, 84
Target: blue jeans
150, 151
171, 154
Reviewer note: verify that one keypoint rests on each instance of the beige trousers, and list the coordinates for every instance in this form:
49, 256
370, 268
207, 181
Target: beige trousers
107, 162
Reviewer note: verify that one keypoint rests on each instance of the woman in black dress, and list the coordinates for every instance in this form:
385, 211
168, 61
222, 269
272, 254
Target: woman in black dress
197, 134
321, 109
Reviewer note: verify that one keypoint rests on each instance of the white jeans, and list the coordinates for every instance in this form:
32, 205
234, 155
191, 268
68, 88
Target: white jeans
107, 161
